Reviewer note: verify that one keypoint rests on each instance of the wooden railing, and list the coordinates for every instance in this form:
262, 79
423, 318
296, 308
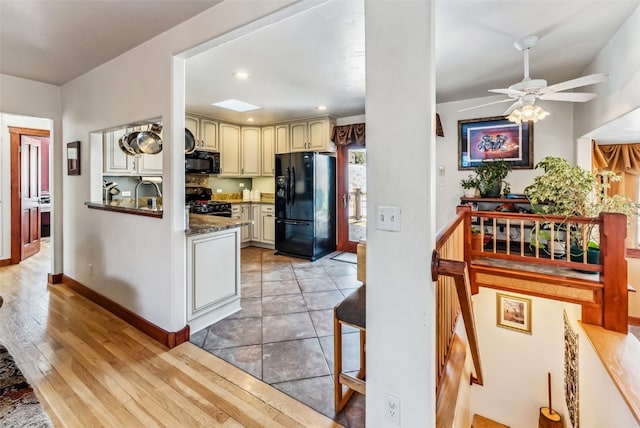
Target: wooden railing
453, 296
530, 254
513, 251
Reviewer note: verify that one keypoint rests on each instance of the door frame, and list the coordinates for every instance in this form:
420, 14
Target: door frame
342, 187
16, 134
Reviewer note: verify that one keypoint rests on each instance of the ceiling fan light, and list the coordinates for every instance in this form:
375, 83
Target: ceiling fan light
527, 113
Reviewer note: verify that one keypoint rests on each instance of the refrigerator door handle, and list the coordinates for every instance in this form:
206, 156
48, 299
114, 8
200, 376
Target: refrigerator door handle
288, 185
293, 188
293, 222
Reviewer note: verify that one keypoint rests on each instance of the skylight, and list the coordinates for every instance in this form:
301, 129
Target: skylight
236, 105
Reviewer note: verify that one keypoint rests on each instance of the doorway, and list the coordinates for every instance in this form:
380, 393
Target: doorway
352, 196
26, 173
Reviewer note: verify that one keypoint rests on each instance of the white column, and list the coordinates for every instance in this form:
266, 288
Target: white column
400, 107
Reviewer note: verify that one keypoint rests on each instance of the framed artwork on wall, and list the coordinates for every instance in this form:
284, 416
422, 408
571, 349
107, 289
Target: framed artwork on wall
513, 312
73, 158
493, 138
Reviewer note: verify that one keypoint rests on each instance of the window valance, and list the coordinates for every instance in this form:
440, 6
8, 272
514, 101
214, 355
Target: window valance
349, 134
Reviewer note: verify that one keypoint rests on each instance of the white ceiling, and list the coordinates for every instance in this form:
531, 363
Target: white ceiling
316, 57
55, 41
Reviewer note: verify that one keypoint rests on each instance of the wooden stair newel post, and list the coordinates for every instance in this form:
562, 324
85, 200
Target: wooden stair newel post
466, 209
614, 272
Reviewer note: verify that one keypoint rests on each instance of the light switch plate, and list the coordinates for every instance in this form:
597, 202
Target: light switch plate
388, 218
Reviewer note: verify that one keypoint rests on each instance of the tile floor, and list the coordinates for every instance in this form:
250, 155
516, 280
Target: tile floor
284, 333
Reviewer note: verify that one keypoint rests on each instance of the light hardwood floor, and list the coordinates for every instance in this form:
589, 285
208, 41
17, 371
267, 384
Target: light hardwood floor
89, 368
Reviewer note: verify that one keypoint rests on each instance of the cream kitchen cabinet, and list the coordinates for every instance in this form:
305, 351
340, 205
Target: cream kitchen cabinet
267, 224
192, 123
242, 211
213, 277
116, 162
312, 135
209, 135
250, 151
282, 139
256, 229
268, 141
230, 152
205, 132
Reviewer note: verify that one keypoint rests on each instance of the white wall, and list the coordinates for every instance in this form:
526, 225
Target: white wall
552, 136
37, 100
138, 262
515, 364
400, 149
620, 58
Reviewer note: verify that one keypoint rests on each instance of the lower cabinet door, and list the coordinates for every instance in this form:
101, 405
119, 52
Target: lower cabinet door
213, 278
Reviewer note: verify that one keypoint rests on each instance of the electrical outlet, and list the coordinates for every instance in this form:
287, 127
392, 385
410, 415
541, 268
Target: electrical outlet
241, 184
126, 193
392, 408
218, 190
90, 269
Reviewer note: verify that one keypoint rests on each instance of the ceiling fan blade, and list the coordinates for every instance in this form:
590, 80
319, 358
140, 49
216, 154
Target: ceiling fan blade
484, 105
511, 108
509, 92
576, 97
575, 83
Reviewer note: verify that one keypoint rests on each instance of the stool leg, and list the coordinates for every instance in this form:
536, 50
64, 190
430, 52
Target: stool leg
363, 359
337, 362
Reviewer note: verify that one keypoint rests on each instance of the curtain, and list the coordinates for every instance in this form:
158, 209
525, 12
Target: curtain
624, 160
349, 134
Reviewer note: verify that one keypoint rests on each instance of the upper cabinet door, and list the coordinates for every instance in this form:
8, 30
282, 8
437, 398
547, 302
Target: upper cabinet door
282, 139
299, 138
230, 150
250, 151
115, 161
192, 123
149, 164
209, 134
320, 135
268, 141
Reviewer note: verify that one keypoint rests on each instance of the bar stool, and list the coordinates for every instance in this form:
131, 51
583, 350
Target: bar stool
352, 312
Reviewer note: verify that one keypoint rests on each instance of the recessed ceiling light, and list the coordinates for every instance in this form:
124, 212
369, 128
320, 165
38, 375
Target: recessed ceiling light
241, 75
249, 119
236, 105
322, 108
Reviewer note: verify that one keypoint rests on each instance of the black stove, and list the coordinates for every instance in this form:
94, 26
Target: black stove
199, 201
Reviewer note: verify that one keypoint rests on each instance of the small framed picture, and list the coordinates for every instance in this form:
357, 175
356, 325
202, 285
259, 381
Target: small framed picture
513, 312
73, 158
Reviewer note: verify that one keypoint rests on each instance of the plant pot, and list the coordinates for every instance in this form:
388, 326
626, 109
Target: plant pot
593, 257
470, 193
492, 192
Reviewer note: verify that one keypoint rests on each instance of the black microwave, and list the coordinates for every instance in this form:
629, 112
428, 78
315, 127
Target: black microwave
200, 162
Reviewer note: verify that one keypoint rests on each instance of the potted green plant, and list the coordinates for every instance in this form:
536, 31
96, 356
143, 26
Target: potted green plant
470, 186
490, 175
573, 191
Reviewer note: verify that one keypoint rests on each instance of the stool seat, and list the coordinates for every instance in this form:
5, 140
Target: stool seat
352, 310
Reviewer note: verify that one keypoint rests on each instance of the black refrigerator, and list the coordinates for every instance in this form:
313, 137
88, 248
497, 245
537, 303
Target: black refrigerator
305, 204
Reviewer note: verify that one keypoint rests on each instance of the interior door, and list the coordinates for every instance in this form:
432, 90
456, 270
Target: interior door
30, 196
352, 196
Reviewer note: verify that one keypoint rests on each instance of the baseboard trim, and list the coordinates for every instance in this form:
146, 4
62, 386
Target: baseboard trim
5, 262
634, 321
167, 338
54, 278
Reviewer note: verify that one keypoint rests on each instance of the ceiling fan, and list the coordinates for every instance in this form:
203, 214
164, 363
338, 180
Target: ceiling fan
525, 93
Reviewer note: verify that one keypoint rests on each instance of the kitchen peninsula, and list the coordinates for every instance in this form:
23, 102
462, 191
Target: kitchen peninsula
213, 268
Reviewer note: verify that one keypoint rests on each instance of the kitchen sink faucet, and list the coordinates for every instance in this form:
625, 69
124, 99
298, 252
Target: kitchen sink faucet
158, 192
